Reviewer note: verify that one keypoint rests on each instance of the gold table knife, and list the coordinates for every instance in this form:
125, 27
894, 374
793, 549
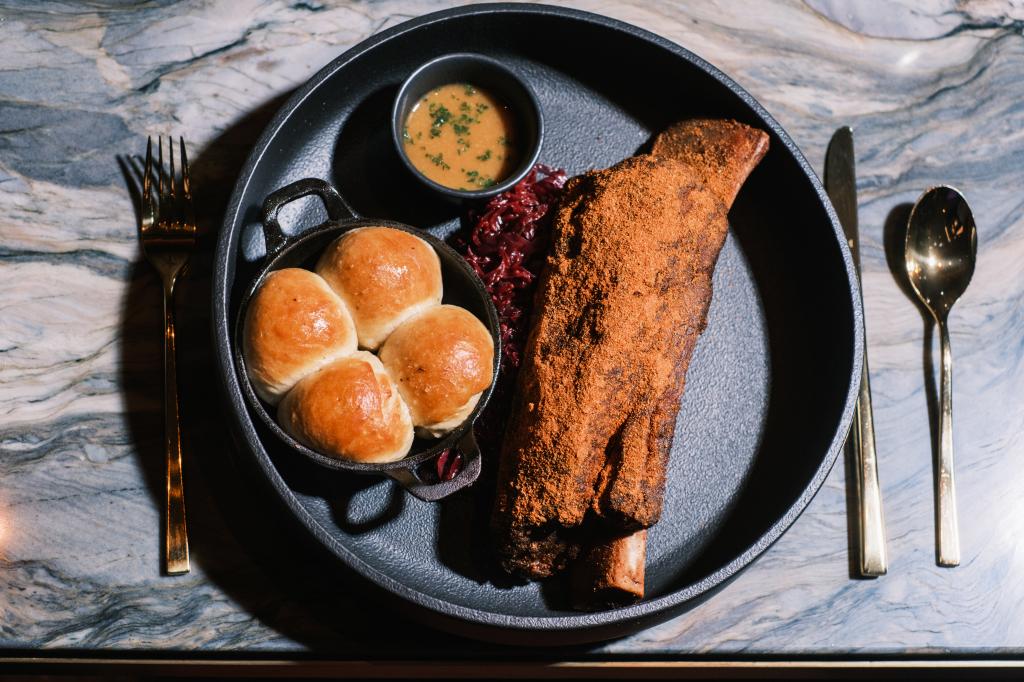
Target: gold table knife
841, 185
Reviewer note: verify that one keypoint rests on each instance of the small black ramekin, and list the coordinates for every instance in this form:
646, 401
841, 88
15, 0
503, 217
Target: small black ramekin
491, 75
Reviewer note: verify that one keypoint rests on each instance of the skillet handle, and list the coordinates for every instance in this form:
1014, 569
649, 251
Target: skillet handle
337, 208
411, 480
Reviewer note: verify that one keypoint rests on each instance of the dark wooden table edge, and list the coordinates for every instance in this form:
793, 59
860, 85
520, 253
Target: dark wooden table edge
195, 664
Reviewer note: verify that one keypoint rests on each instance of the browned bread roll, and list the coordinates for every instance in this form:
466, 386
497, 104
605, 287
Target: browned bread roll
384, 275
295, 325
442, 360
349, 409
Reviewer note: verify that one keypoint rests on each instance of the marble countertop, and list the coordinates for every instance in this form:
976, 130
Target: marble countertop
935, 94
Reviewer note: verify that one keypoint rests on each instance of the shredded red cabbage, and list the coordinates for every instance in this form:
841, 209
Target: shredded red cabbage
506, 247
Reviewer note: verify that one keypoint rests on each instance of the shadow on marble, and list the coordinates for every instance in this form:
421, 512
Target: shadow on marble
141, 351
894, 238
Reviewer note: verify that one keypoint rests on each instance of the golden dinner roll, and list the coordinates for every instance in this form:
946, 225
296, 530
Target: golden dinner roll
350, 409
384, 275
295, 325
442, 360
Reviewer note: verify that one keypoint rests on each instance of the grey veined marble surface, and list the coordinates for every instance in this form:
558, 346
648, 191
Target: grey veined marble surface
935, 92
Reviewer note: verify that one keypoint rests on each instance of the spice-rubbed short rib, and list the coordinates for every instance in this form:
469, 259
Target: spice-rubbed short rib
619, 306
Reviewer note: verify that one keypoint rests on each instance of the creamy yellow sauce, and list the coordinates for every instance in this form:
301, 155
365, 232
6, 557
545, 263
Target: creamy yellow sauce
461, 137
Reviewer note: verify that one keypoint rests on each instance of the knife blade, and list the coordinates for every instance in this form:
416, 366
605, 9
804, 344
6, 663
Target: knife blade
841, 185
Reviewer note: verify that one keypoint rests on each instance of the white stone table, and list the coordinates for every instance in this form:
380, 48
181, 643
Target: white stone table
935, 92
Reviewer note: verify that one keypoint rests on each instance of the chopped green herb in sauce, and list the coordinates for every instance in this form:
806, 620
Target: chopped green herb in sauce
440, 114
438, 160
479, 180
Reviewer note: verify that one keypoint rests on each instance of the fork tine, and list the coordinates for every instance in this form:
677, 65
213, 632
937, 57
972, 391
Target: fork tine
172, 176
160, 165
185, 200
147, 186
147, 176
186, 181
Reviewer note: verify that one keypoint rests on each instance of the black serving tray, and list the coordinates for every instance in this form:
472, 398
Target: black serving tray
771, 388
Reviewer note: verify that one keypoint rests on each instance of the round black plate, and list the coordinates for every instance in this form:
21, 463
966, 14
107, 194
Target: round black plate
769, 393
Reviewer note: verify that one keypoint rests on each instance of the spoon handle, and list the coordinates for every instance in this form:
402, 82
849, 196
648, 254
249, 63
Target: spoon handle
949, 535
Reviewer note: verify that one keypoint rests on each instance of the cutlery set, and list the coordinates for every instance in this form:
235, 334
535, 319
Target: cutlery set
940, 252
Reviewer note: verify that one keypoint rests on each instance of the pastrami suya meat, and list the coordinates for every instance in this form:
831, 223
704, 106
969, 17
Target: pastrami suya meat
620, 303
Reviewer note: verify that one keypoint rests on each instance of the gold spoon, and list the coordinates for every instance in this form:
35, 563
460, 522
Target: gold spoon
941, 249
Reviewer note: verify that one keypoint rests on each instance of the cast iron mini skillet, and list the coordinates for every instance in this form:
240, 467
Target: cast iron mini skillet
769, 393
462, 287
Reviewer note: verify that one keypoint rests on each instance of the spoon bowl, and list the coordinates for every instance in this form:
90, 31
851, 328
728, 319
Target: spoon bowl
941, 248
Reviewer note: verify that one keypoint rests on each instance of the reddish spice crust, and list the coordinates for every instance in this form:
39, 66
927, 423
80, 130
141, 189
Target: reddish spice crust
619, 307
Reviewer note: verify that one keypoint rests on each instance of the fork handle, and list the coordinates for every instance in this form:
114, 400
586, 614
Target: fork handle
175, 532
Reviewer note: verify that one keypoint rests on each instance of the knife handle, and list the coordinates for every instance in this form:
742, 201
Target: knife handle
873, 560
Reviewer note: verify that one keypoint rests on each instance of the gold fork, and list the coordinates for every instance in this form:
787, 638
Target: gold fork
167, 232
